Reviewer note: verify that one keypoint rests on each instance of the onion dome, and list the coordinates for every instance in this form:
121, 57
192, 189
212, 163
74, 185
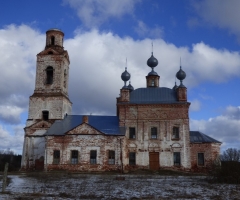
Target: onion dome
175, 86
152, 61
125, 77
181, 75
130, 87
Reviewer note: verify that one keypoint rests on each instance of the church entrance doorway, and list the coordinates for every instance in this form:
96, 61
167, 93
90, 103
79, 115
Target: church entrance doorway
154, 160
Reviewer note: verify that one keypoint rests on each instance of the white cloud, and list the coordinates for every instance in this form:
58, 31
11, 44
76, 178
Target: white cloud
10, 114
224, 128
144, 31
220, 13
195, 105
13, 141
93, 13
18, 48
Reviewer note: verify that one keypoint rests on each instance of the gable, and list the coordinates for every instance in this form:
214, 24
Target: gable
84, 129
39, 128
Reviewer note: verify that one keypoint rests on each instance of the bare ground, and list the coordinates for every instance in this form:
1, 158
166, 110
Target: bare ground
57, 186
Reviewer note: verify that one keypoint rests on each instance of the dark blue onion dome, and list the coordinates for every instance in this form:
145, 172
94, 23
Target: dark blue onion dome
130, 87
181, 75
125, 77
152, 62
175, 86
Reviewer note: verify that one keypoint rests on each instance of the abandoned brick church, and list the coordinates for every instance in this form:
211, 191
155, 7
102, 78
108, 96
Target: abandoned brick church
149, 131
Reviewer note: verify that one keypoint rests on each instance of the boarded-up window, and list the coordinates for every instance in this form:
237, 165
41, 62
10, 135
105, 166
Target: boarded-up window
175, 133
45, 115
93, 157
56, 157
132, 133
154, 133
132, 158
201, 159
177, 158
49, 75
111, 157
74, 157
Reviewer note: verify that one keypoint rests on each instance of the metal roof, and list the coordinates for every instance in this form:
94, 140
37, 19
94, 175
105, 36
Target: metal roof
108, 125
153, 95
198, 137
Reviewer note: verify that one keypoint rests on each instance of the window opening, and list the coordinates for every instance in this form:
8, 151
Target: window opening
153, 83
56, 157
153, 133
93, 157
49, 73
175, 133
45, 115
176, 158
111, 157
50, 52
201, 159
132, 158
52, 40
74, 156
132, 133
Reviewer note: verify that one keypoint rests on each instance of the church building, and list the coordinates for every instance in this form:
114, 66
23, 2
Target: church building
150, 129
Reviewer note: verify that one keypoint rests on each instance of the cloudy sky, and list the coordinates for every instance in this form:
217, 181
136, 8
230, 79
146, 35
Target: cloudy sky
101, 34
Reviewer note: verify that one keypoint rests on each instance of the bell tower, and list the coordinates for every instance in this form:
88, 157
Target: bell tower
50, 98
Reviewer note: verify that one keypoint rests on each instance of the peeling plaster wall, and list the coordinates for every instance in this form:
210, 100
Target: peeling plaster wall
164, 117
83, 144
211, 153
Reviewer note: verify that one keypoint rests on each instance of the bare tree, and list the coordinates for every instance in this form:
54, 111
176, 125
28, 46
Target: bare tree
231, 154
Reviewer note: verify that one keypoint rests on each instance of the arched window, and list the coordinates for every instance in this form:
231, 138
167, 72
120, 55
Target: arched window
45, 115
49, 74
52, 40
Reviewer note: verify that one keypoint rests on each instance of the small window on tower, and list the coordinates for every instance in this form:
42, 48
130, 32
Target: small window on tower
52, 40
45, 115
49, 74
153, 83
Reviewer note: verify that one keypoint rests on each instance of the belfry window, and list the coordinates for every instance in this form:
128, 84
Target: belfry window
49, 74
52, 40
45, 115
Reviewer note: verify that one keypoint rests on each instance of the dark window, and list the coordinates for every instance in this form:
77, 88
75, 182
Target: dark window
56, 157
176, 158
50, 52
45, 115
49, 73
132, 133
93, 157
74, 156
52, 40
175, 133
132, 158
201, 159
154, 133
111, 157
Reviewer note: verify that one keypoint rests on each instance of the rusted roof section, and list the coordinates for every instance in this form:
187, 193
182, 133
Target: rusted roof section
198, 137
153, 95
108, 125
